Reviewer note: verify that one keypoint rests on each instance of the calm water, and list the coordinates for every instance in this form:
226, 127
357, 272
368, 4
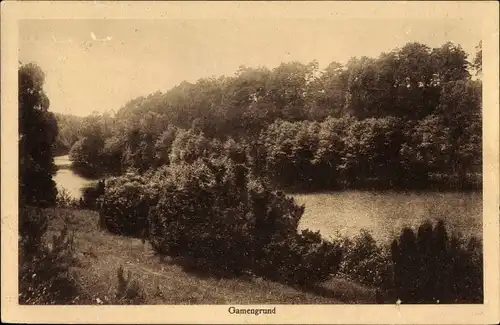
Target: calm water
384, 214
67, 179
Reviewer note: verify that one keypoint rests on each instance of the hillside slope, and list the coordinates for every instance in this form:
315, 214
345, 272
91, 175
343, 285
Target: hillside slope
165, 281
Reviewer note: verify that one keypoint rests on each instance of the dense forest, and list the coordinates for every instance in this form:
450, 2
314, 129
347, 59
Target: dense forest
410, 118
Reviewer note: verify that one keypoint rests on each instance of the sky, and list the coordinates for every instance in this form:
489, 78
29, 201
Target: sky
84, 75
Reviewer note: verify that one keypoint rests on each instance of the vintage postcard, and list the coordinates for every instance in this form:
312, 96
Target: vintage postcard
250, 162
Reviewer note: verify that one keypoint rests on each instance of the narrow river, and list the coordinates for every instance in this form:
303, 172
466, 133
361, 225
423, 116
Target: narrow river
67, 179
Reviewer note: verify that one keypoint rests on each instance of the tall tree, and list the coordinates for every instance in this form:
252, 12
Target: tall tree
37, 134
328, 93
289, 89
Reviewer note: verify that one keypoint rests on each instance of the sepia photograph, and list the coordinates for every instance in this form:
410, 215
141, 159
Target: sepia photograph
251, 161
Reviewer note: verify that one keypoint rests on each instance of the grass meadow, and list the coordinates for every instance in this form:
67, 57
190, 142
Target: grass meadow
163, 280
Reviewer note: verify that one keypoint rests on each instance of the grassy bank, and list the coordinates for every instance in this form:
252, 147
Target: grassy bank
168, 281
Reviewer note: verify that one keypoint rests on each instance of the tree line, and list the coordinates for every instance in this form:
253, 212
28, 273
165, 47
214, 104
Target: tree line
409, 118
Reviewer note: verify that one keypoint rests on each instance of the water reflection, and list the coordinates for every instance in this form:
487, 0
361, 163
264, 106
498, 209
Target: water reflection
68, 179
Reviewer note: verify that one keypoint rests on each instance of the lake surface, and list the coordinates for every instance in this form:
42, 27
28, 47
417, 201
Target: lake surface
67, 179
382, 213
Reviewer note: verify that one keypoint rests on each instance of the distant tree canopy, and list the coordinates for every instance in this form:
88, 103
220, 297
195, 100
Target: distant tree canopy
403, 83
69, 132
411, 114
37, 133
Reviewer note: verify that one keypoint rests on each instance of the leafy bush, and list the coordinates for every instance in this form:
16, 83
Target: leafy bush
201, 213
85, 155
91, 194
45, 269
65, 200
426, 266
318, 258
124, 205
430, 266
217, 210
32, 227
365, 261
303, 259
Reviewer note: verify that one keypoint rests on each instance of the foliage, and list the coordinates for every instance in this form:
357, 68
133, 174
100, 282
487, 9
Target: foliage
59, 148
430, 266
85, 155
477, 63
188, 146
124, 205
163, 146
215, 211
373, 122
65, 200
376, 153
91, 194
289, 150
70, 129
112, 154
89, 152
372, 151
37, 133
422, 266
305, 258
49, 270
201, 212
32, 227
365, 261
45, 275
128, 291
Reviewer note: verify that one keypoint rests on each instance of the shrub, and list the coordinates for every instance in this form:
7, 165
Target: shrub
32, 227
217, 210
208, 206
124, 206
365, 261
65, 200
201, 213
91, 194
128, 291
302, 259
45, 269
319, 258
432, 267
